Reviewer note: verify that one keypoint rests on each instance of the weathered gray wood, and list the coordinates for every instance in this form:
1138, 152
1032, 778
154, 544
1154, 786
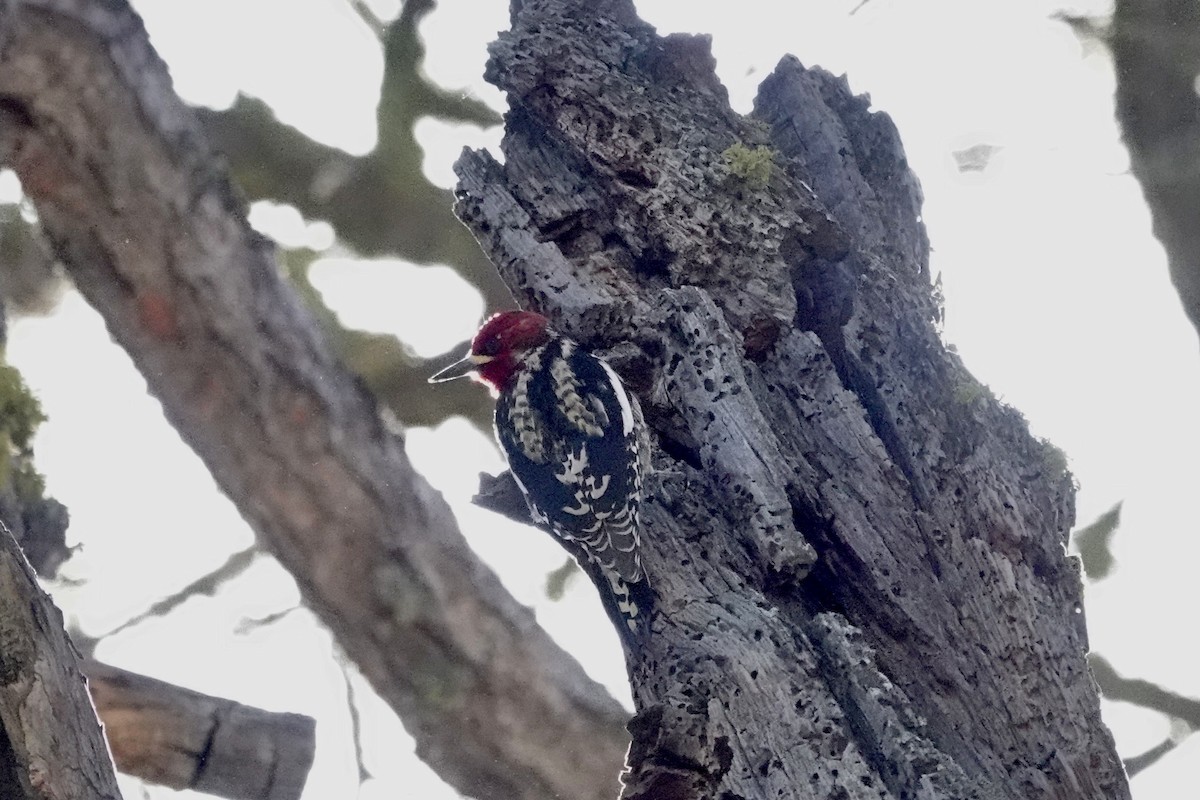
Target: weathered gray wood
141, 213
858, 551
51, 747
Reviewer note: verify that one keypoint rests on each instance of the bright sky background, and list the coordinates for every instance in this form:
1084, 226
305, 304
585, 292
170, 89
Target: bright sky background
1056, 296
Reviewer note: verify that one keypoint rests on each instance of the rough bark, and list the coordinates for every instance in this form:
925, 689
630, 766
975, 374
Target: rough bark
187, 740
51, 746
1156, 49
144, 219
858, 551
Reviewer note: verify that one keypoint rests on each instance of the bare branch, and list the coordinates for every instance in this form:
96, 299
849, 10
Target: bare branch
186, 740
1143, 693
208, 584
1145, 760
355, 719
369, 17
1156, 49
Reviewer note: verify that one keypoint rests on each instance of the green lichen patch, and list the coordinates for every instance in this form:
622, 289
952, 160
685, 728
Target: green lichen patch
751, 165
968, 391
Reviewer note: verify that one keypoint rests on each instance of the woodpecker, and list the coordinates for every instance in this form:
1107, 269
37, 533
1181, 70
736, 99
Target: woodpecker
572, 437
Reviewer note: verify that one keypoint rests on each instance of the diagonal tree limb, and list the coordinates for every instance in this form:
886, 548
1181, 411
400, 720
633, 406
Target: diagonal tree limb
140, 212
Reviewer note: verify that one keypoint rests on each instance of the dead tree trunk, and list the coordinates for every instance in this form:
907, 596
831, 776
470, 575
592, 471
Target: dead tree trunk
858, 551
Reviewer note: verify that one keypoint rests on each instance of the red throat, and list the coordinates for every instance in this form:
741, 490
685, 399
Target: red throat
498, 373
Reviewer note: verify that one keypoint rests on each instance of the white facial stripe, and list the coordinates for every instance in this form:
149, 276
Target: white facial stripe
622, 399
480, 359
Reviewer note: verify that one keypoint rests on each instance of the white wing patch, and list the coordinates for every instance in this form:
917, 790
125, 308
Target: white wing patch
573, 433
622, 398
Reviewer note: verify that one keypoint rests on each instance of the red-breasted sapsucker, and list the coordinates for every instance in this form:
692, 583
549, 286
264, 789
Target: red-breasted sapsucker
573, 439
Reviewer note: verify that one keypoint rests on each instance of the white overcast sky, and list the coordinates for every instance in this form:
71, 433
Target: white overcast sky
1056, 294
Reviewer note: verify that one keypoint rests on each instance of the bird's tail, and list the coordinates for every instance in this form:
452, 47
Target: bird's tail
628, 605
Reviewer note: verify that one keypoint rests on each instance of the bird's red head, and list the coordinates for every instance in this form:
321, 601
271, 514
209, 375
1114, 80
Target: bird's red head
497, 348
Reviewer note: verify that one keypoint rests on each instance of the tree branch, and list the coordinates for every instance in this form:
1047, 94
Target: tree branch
207, 584
380, 204
1156, 50
140, 212
1118, 688
186, 740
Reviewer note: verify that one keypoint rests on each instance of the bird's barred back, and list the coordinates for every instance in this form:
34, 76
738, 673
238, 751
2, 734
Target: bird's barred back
569, 431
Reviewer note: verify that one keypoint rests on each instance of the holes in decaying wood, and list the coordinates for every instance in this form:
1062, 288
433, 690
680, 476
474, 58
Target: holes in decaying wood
635, 176
724, 756
681, 452
653, 261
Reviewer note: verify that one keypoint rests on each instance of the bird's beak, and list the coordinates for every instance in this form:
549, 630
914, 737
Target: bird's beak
460, 369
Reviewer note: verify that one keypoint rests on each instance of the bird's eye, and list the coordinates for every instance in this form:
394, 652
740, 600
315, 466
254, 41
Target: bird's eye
490, 347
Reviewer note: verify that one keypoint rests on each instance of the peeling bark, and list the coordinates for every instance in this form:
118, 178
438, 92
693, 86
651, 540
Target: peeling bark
858, 551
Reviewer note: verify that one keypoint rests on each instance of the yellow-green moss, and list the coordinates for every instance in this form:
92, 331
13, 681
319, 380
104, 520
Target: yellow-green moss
751, 165
968, 392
